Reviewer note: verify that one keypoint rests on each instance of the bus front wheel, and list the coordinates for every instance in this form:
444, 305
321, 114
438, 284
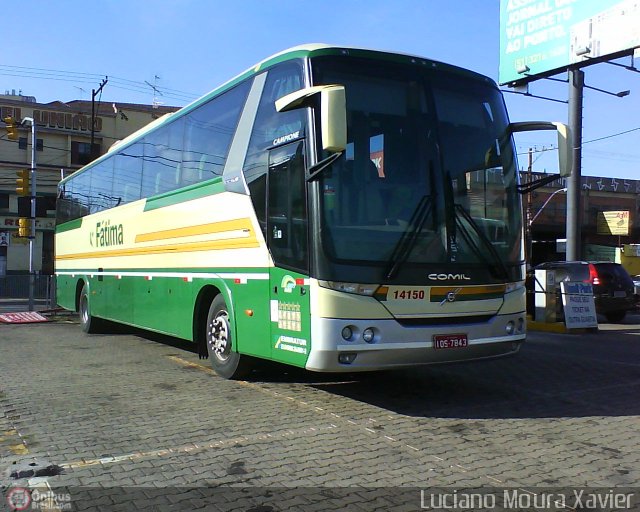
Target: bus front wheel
225, 361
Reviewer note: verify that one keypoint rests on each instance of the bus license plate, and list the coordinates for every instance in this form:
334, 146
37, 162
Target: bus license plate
450, 341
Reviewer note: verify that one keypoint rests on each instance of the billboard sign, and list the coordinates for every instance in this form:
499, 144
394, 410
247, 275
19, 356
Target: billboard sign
540, 37
613, 223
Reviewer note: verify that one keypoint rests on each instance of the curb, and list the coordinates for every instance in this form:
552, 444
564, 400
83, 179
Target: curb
555, 327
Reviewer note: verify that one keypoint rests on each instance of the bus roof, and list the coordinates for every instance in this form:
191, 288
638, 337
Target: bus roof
301, 51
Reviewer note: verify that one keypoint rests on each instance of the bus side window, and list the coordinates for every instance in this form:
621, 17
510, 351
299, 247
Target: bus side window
162, 155
208, 133
258, 190
280, 81
128, 174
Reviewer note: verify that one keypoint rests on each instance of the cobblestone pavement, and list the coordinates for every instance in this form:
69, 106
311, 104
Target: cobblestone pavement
125, 422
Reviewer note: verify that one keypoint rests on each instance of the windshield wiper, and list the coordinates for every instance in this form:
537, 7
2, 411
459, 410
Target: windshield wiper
408, 239
459, 209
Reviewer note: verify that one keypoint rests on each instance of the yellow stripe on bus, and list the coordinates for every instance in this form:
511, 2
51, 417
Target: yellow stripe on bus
247, 243
202, 229
470, 290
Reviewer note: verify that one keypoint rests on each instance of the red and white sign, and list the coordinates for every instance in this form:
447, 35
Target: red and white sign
26, 317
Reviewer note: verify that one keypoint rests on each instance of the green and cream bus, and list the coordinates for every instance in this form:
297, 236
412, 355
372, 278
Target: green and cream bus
331, 208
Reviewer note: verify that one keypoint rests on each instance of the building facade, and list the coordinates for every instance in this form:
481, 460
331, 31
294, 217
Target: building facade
63, 144
609, 218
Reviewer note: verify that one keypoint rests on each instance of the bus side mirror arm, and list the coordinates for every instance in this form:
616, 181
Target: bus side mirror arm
333, 112
565, 142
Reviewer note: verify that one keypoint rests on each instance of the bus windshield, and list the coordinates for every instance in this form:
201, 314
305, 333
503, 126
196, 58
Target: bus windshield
427, 182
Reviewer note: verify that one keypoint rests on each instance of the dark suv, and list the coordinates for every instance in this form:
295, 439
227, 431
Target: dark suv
613, 288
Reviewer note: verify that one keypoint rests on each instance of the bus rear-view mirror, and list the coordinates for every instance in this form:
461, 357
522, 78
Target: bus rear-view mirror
565, 142
333, 112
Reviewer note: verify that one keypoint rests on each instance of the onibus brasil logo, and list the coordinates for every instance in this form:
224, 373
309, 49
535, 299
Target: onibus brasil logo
22, 498
106, 234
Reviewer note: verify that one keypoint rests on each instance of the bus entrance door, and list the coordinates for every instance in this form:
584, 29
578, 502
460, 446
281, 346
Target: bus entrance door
287, 240
290, 317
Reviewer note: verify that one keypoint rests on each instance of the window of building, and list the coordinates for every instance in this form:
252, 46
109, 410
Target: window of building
81, 152
23, 144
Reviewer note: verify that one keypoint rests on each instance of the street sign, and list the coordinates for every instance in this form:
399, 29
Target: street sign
579, 306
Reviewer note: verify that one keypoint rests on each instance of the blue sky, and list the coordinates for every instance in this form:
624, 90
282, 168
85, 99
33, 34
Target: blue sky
195, 45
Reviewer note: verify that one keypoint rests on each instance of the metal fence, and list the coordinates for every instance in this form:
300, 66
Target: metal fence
14, 290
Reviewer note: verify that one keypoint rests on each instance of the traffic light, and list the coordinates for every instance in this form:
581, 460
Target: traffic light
12, 128
23, 182
24, 228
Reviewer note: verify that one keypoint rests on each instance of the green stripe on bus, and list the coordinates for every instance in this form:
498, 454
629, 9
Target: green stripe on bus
206, 188
69, 226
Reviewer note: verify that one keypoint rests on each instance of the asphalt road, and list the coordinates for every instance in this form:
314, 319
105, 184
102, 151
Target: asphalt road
128, 422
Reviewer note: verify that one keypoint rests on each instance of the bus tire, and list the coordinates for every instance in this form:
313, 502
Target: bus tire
90, 324
225, 361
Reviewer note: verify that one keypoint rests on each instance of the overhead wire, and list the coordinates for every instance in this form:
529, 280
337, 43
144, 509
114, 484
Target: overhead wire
555, 147
89, 78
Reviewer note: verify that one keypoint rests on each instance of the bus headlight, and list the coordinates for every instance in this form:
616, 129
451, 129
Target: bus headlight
512, 287
347, 333
355, 288
368, 335
511, 327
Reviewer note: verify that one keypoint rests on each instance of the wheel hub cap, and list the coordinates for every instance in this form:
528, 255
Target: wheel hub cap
219, 336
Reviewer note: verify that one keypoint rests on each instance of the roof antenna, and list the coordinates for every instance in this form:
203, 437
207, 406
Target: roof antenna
156, 91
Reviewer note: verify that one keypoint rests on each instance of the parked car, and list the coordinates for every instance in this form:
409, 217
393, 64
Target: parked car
613, 289
636, 286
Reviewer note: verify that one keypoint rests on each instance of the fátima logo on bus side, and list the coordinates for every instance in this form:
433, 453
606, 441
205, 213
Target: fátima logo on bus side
288, 284
106, 234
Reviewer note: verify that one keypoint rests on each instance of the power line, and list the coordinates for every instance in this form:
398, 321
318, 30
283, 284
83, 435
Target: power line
89, 78
611, 136
555, 148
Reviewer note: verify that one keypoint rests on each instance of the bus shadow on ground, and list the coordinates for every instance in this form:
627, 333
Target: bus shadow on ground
523, 387
115, 329
533, 384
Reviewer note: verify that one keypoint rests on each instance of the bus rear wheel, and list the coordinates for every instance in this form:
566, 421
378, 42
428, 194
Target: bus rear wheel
225, 361
89, 324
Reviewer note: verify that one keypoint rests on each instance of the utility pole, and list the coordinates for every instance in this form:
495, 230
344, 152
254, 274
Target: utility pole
94, 93
529, 208
32, 212
574, 211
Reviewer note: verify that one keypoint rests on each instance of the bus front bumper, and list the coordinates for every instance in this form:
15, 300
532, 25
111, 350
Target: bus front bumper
395, 346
